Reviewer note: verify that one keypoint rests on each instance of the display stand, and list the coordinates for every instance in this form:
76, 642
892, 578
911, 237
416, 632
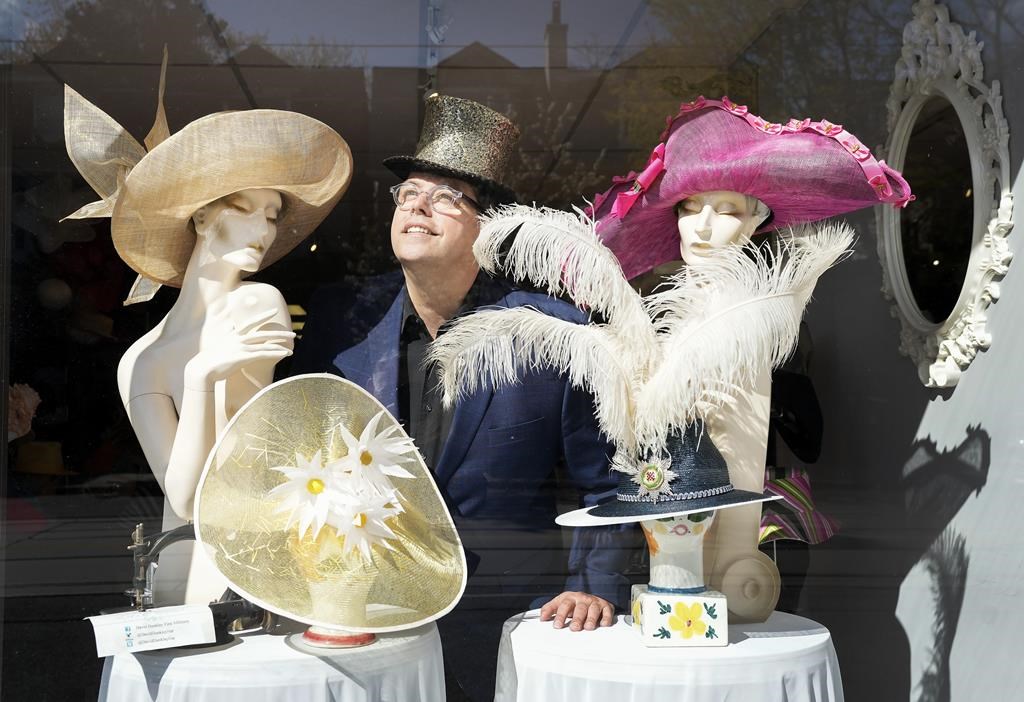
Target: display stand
785, 659
280, 668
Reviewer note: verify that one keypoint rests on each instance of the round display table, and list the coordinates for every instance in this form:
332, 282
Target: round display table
785, 659
263, 668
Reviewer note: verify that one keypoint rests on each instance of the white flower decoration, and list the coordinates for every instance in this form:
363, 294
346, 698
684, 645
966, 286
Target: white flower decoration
308, 492
372, 457
359, 518
353, 495
653, 476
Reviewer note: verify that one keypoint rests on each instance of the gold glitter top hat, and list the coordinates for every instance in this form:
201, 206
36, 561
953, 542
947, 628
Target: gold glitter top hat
465, 140
315, 504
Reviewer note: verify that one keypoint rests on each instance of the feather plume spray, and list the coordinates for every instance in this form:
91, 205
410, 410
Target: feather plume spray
493, 348
723, 322
560, 251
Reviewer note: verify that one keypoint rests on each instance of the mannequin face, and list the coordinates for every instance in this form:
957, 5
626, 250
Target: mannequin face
713, 220
239, 229
677, 534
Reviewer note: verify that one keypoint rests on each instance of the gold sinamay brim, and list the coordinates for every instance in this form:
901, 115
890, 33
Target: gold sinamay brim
298, 156
239, 524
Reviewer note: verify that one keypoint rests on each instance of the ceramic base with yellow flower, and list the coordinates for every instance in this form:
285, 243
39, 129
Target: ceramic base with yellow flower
316, 505
676, 609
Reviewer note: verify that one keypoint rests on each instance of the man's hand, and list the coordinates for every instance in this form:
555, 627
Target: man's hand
585, 611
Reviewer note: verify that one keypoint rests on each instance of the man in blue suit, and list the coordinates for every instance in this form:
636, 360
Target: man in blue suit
498, 456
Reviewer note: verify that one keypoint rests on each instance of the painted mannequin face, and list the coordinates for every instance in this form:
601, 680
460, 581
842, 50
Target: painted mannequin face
677, 534
712, 220
240, 228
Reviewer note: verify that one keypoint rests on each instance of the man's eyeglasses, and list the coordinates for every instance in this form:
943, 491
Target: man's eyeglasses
443, 198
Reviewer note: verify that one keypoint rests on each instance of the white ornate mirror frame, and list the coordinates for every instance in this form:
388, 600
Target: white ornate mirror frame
939, 61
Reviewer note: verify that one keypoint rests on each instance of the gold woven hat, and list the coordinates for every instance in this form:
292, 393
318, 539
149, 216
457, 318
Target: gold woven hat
315, 504
300, 157
465, 140
151, 197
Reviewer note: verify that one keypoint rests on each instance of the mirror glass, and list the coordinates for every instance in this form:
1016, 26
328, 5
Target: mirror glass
937, 229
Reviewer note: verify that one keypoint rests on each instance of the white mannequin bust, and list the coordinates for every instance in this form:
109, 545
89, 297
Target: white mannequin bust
218, 345
734, 565
676, 546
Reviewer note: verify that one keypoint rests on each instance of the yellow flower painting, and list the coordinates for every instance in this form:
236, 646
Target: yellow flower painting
687, 620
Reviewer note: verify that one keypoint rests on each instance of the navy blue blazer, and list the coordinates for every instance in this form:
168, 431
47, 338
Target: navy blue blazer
499, 468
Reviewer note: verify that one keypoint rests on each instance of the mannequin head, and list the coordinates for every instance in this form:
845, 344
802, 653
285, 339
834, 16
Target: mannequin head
712, 220
239, 228
679, 534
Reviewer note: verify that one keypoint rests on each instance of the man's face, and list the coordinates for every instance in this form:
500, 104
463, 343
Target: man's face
421, 237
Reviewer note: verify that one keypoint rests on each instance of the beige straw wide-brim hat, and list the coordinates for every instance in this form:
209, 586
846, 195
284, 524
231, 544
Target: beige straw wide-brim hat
300, 157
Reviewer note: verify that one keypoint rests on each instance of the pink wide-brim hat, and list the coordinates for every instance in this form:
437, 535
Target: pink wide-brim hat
804, 171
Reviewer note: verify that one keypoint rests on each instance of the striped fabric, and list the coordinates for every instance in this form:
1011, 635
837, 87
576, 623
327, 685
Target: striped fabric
794, 516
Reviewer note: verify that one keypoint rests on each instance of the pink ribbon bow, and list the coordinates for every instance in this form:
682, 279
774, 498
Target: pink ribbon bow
624, 201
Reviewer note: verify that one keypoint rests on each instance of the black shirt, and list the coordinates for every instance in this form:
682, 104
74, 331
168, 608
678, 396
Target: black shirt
419, 386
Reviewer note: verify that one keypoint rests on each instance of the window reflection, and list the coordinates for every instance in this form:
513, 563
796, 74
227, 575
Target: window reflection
589, 87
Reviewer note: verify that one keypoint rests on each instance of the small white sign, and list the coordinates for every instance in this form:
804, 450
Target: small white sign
151, 629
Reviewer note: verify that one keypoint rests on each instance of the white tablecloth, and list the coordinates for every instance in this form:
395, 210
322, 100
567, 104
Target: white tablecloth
786, 659
265, 668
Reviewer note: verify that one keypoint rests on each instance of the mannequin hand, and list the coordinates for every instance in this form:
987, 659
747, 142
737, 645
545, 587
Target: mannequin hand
238, 347
586, 611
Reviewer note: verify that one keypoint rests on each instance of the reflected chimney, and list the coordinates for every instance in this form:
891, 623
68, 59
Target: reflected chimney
555, 35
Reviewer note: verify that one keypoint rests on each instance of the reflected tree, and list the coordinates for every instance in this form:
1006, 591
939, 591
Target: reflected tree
1000, 24
315, 52
831, 59
701, 51
542, 125
86, 30
783, 58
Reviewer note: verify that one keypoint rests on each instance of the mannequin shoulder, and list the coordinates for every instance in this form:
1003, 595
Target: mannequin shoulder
258, 295
259, 298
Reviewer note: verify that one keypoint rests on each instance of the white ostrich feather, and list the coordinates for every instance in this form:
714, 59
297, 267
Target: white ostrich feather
493, 348
656, 364
721, 323
560, 251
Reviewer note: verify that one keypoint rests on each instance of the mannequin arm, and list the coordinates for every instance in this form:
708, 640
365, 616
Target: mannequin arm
176, 443
248, 356
175, 447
